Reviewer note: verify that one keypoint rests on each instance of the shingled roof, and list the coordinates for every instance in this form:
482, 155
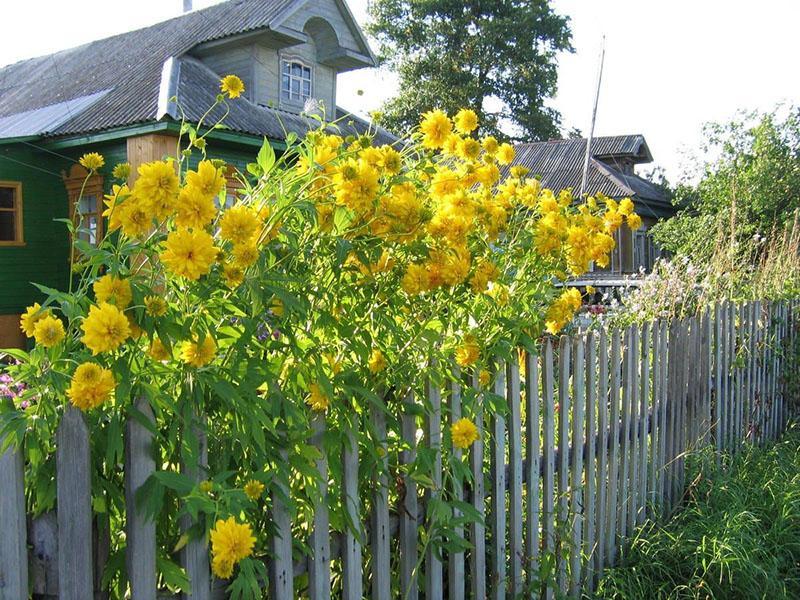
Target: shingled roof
126, 79
559, 164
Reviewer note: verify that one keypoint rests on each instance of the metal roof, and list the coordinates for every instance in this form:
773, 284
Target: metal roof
46, 118
559, 164
127, 69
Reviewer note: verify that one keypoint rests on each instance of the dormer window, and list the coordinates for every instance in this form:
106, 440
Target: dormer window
295, 81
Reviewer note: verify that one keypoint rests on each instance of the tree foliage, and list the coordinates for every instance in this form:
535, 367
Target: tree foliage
498, 58
750, 187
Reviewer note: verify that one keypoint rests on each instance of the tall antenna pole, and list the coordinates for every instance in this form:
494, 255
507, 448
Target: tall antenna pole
594, 117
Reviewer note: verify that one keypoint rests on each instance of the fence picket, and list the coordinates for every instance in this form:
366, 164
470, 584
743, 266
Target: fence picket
477, 530
633, 464
194, 556
532, 445
627, 388
644, 425
140, 552
662, 419
319, 576
497, 517
590, 458
455, 560
564, 348
656, 423
603, 439
433, 564
612, 533
576, 479
352, 561
13, 541
282, 575
409, 587
380, 536
548, 456
515, 549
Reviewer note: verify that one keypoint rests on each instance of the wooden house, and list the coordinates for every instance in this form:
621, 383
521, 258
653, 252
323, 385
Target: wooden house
114, 96
612, 162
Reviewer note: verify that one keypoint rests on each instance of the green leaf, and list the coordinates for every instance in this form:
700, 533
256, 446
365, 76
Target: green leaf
175, 481
174, 576
266, 157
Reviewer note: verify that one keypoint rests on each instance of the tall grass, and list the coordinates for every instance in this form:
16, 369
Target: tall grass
764, 268
738, 535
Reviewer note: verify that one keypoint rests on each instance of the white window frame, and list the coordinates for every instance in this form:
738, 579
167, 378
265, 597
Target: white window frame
296, 100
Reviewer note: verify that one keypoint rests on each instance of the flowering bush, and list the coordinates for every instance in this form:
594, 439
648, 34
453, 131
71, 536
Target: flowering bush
345, 271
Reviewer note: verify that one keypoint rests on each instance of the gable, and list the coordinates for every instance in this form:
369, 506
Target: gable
313, 17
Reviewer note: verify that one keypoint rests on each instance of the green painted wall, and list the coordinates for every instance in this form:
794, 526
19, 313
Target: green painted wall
44, 257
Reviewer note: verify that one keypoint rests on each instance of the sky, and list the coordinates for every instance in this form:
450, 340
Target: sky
670, 65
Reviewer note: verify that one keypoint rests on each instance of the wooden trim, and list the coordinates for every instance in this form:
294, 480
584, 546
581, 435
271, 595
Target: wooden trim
19, 233
11, 335
78, 186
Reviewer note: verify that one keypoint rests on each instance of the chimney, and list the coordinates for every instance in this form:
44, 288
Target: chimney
187, 6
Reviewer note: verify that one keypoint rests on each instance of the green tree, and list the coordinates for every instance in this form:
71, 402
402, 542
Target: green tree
497, 57
750, 186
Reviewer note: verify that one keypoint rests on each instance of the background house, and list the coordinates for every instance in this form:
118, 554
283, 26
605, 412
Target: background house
559, 164
113, 96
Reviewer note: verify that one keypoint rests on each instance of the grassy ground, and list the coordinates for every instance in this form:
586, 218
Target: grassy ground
737, 537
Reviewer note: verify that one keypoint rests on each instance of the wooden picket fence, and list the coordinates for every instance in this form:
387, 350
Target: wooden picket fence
593, 443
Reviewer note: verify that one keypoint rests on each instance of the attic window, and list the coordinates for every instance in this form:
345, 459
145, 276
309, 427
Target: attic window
295, 81
10, 213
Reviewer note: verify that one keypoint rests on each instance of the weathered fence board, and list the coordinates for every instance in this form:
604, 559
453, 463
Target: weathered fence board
598, 445
477, 556
13, 541
497, 519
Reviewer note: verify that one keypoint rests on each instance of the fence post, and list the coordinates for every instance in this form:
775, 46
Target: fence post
13, 541
140, 552
74, 492
564, 348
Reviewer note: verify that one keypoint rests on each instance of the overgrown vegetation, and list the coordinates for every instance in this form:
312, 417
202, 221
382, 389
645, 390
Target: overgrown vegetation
738, 536
749, 188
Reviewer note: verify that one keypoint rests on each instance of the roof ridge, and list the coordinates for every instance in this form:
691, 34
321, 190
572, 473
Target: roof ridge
185, 15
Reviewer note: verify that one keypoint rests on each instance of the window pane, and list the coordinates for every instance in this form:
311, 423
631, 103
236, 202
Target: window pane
295, 87
7, 197
307, 73
285, 86
286, 67
307, 89
88, 205
8, 230
297, 69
